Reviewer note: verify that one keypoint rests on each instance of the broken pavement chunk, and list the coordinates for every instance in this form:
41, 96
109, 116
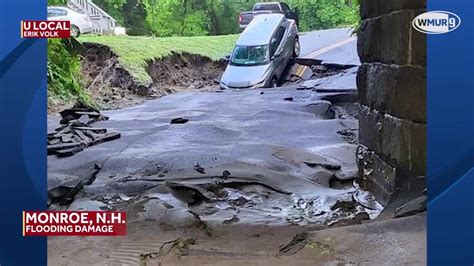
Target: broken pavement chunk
63, 146
81, 135
81, 112
75, 133
93, 129
67, 138
54, 141
84, 119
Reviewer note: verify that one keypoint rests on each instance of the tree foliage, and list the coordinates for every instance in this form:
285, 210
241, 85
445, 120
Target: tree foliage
113, 7
324, 14
215, 17
64, 70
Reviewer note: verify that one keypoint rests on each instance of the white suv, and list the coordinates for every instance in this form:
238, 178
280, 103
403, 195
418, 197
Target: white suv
80, 23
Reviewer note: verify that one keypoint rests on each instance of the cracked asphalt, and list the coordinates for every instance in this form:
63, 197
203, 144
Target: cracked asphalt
241, 180
280, 139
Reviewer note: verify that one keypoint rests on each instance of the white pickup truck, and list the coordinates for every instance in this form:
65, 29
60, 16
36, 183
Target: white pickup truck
267, 8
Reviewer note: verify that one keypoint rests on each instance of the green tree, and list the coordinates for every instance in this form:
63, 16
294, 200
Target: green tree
113, 8
324, 14
135, 18
64, 70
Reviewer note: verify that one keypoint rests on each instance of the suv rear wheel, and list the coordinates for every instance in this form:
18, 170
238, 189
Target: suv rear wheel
274, 83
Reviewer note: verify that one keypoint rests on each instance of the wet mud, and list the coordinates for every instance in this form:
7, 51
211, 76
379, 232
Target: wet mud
185, 71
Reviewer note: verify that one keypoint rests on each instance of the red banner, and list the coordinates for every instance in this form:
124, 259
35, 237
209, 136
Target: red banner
45, 29
74, 223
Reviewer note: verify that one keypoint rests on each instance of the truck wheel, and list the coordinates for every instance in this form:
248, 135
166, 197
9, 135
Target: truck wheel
75, 32
296, 48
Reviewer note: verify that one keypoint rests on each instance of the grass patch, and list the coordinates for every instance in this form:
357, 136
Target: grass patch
134, 51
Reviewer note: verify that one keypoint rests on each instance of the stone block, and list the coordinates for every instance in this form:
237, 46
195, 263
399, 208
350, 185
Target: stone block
374, 8
391, 39
400, 142
377, 175
396, 90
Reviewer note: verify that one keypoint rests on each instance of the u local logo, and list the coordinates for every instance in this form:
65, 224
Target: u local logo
436, 22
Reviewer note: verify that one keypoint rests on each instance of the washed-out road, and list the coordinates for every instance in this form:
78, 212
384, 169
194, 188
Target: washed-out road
246, 163
290, 142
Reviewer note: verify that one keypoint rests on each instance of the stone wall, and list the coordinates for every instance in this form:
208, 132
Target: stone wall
392, 92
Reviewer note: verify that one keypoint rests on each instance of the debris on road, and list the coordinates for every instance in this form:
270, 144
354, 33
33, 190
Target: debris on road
179, 120
290, 99
232, 220
81, 114
178, 247
75, 133
225, 174
298, 242
199, 169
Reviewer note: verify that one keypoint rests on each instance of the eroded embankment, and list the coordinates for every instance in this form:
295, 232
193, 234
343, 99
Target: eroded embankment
112, 86
185, 71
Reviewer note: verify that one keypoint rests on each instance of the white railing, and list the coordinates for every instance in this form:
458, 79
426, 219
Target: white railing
103, 22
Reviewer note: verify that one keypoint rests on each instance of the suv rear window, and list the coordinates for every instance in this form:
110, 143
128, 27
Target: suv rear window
265, 7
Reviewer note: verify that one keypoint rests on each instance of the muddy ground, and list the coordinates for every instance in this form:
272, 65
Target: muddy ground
185, 72
391, 242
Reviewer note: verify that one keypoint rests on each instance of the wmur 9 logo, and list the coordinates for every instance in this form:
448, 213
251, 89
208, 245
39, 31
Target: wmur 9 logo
436, 22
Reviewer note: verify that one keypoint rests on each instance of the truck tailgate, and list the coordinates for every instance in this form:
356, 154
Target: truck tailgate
245, 17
